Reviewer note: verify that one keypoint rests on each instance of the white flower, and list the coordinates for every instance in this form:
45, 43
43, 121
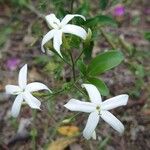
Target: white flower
98, 109
61, 27
23, 92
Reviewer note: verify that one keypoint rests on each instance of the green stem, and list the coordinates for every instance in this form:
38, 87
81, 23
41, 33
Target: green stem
107, 38
73, 66
33, 10
71, 6
80, 90
34, 131
66, 61
75, 115
79, 56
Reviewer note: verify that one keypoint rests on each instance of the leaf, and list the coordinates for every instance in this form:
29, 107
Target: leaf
81, 66
101, 20
103, 143
103, 4
19, 2
68, 130
84, 8
88, 45
104, 62
5, 32
61, 144
100, 85
147, 35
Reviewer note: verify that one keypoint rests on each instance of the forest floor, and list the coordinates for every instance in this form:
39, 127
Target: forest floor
20, 38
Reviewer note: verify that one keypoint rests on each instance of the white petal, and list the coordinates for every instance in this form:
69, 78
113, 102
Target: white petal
12, 89
46, 38
94, 135
52, 21
22, 79
93, 92
31, 100
76, 105
91, 125
57, 41
76, 30
16, 106
69, 17
112, 121
36, 86
114, 102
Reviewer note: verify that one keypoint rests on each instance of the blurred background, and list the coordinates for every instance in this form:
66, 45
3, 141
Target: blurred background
116, 24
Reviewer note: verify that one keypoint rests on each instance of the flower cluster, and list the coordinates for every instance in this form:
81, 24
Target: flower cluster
96, 107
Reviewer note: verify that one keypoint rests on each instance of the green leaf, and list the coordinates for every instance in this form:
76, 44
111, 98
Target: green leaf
84, 8
101, 20
5, 32
81, 66
20, 2
147, 35
100, 85
104, 62
103, 4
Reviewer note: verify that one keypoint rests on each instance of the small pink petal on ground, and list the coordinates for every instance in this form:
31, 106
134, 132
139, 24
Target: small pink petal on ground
119, 10
12, 63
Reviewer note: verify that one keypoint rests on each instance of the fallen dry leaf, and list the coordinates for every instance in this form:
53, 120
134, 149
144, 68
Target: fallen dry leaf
68, 130
61, 144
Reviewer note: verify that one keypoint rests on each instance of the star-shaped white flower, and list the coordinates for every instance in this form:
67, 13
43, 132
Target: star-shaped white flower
23, 92
98, 109
61, 27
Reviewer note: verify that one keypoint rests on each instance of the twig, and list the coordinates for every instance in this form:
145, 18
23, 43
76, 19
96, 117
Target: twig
79, 56
73, 66
32, 9
71, 6
107, 38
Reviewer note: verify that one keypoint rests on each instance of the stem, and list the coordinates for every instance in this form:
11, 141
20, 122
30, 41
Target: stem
56, 126
80, 90
107, 38
75, 115
66, 61
34, 131
125, 45
71, 6
73, 66
79, 56
32, 9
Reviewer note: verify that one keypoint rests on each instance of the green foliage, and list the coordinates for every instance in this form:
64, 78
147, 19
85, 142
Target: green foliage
88, 45
5, 32
101, 20
103, 4
82, 67
100, 85
147, 35
42, 60
104, 62
103, 144
84, 8
20, 3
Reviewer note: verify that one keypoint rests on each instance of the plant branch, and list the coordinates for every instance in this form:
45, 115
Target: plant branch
73, 66
80, 90
32, 9
71, 6
79, 56
34, 131
66, 61
107, 38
